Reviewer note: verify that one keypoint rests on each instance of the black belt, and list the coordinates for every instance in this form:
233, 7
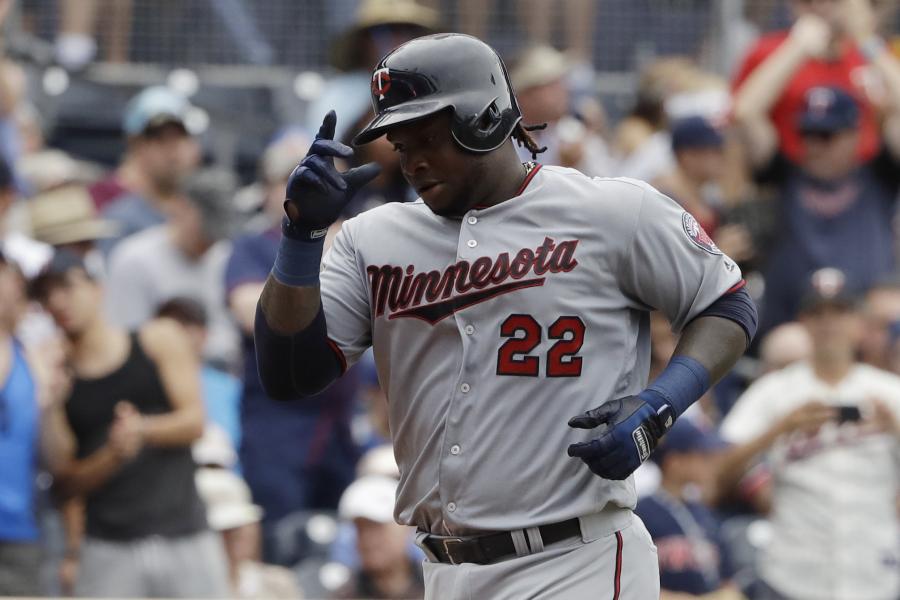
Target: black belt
486, 549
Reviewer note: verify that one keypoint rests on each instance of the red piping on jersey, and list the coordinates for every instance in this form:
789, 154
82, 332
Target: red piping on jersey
528, 178
340, 355
735, 287
617, 583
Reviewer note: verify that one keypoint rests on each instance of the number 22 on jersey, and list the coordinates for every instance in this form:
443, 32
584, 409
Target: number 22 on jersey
524, 334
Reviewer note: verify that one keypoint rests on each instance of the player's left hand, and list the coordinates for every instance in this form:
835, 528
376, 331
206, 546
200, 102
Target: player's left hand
631, 429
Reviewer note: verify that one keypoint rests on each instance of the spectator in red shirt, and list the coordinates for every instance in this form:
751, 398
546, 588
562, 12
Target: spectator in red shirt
832, 43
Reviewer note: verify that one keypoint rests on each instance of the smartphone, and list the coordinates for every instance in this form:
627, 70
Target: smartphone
848, 414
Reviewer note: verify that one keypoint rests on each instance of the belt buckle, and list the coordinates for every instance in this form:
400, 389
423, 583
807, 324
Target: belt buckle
447, 543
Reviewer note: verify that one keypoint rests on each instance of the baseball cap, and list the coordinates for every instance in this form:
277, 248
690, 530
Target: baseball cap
227, 499
685, 437
695, 132
154, 107
370, 497
827, 287
828, 109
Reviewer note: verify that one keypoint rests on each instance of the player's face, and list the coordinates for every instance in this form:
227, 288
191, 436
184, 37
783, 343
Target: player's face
444, 175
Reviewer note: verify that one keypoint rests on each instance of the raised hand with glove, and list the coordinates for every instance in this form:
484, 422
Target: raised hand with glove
315, 196
631, 427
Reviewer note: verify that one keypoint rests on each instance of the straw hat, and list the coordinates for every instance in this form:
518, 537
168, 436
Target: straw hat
66, 215
372, 13
538, 65
50, 168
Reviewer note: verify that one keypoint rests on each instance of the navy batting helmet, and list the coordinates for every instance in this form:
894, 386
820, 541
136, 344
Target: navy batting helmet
447, 71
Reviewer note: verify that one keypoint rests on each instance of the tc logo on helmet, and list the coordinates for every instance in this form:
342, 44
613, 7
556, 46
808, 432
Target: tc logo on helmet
381, 82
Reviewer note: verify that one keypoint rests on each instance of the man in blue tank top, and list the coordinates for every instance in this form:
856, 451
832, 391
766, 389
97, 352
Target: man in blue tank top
27, 437
19, 552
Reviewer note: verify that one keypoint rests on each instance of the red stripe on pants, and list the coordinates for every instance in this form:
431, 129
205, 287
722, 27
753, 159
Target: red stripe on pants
617, 584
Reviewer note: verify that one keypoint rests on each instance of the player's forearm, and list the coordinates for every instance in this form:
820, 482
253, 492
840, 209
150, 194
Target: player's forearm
716, 343
288, 309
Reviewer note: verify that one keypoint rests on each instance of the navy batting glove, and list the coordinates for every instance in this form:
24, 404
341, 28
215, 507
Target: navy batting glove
316, 191
631, 429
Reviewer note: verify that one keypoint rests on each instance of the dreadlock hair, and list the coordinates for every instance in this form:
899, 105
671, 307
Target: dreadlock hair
524, 139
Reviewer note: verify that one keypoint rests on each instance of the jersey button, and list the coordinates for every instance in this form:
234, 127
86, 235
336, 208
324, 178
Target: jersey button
471, 243
464, 388
469, 329
454, 449
451, 506
472, 220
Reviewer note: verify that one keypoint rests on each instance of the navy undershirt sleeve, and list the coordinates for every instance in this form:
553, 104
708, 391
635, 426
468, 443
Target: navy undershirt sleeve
297, 365
738, 307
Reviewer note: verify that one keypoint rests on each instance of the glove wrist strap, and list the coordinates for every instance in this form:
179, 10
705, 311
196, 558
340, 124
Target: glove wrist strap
680, 384
299, 256
303, 233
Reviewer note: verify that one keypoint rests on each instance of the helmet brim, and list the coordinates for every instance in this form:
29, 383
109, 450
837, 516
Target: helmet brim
398, 115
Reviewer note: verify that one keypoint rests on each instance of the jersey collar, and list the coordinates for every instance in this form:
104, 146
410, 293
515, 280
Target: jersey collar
531, 169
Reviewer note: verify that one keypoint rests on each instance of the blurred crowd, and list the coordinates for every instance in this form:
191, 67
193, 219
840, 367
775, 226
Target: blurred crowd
141, 457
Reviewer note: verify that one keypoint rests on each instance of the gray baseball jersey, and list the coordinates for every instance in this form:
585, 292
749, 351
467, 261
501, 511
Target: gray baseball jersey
492, 330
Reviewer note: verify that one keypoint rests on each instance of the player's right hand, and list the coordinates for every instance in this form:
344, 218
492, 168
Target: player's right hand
630, 431
316, 191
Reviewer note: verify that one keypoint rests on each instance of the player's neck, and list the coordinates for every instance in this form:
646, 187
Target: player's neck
508, 175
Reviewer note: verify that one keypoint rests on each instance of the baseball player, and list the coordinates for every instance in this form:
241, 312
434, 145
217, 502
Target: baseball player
506, 299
